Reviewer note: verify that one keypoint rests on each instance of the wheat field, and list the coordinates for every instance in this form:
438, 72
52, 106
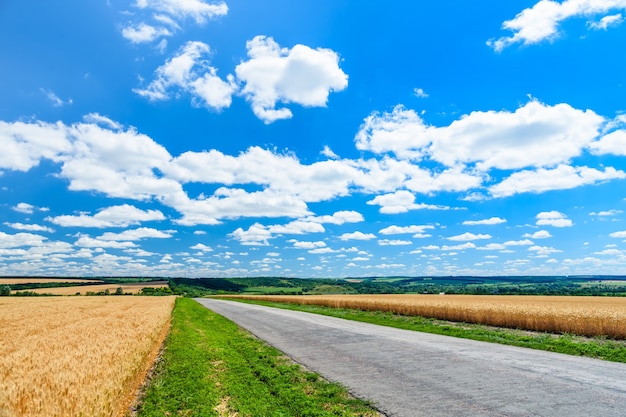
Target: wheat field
77, 356
132, 288
584, 316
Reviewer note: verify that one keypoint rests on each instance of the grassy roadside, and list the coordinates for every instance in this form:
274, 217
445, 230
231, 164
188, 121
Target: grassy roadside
210, 367
600, 348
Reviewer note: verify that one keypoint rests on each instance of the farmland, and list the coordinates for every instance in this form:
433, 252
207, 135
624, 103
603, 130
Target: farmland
65, 356
132, 288
585, 316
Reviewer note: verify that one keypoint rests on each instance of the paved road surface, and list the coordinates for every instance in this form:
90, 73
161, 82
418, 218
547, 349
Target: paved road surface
410, 374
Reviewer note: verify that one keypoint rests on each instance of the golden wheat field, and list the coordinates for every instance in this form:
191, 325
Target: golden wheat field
77, 356
584, 316
132, 288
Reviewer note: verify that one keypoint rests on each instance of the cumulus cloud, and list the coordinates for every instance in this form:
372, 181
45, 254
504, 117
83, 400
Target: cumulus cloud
114, 216
357, 236
299, 75
190, 71
394, 242
540, 234
562, 177
29, 227
490, 221
397, 230
553, 218
401, 202
465, 237
612, 143
606, 22
198, 10
541, 21
144, 33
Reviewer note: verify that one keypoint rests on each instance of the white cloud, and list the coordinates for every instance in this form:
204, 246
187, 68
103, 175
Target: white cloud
309, 245
357, 236
25, 144
469, 236
612, 143
534, 135
29, 227
490, 221
24, 208
606, 22
327, 152
144, 33
541, 22
54, 99
397, 230
190, 71
394, 242
540, 234
202, 247
198, 10
553, 218
418, 92
114, 216
401, 202
299, 75
543, 250
524, 242
619, 235
562, 177
136, 234
98, 119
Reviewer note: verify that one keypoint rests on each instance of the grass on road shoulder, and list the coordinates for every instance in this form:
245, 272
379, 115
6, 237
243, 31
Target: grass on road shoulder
211, 367
610, 350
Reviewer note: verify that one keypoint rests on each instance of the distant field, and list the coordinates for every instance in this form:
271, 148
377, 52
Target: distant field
77, 356
11, 281
132, 288
584, 316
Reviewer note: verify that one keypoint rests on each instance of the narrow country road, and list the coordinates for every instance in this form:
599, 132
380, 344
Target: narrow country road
411, 374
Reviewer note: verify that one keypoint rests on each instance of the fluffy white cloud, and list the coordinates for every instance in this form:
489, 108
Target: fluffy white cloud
357, 236
190, 71
535, 135
541, 22
394, 242
401, 202
553, 218
135, 234
606, 22
466, 237
115, 216
300, 75
612, 143
562, 177
25, 144
620, 235
144, 33
29, 227
490, 221
309, 245
540, 234
397, 230
198, 10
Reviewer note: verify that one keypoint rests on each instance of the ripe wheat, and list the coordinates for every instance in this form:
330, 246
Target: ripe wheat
585, 316
77, 356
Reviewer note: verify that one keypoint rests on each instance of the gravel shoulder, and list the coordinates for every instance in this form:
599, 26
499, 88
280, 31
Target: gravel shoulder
413, 374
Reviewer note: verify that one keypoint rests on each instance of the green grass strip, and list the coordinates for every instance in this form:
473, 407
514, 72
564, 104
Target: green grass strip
599, 348
211, 367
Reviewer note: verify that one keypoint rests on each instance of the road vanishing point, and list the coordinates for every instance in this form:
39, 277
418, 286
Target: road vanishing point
410, 374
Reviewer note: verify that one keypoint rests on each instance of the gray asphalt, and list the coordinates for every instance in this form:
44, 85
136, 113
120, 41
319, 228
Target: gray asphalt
410, 374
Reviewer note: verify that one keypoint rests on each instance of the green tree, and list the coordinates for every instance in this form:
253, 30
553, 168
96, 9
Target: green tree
5, 290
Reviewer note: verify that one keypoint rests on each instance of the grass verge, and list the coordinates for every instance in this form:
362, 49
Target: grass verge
211, 367
599, 348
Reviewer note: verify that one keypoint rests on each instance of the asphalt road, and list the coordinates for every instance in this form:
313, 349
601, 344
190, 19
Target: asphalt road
411, 374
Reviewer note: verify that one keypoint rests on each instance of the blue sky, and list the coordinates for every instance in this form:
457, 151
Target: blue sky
318, 138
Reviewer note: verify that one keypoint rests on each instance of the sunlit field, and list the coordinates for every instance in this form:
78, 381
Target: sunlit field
77, 356
132, 288
12, 281
584, 316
